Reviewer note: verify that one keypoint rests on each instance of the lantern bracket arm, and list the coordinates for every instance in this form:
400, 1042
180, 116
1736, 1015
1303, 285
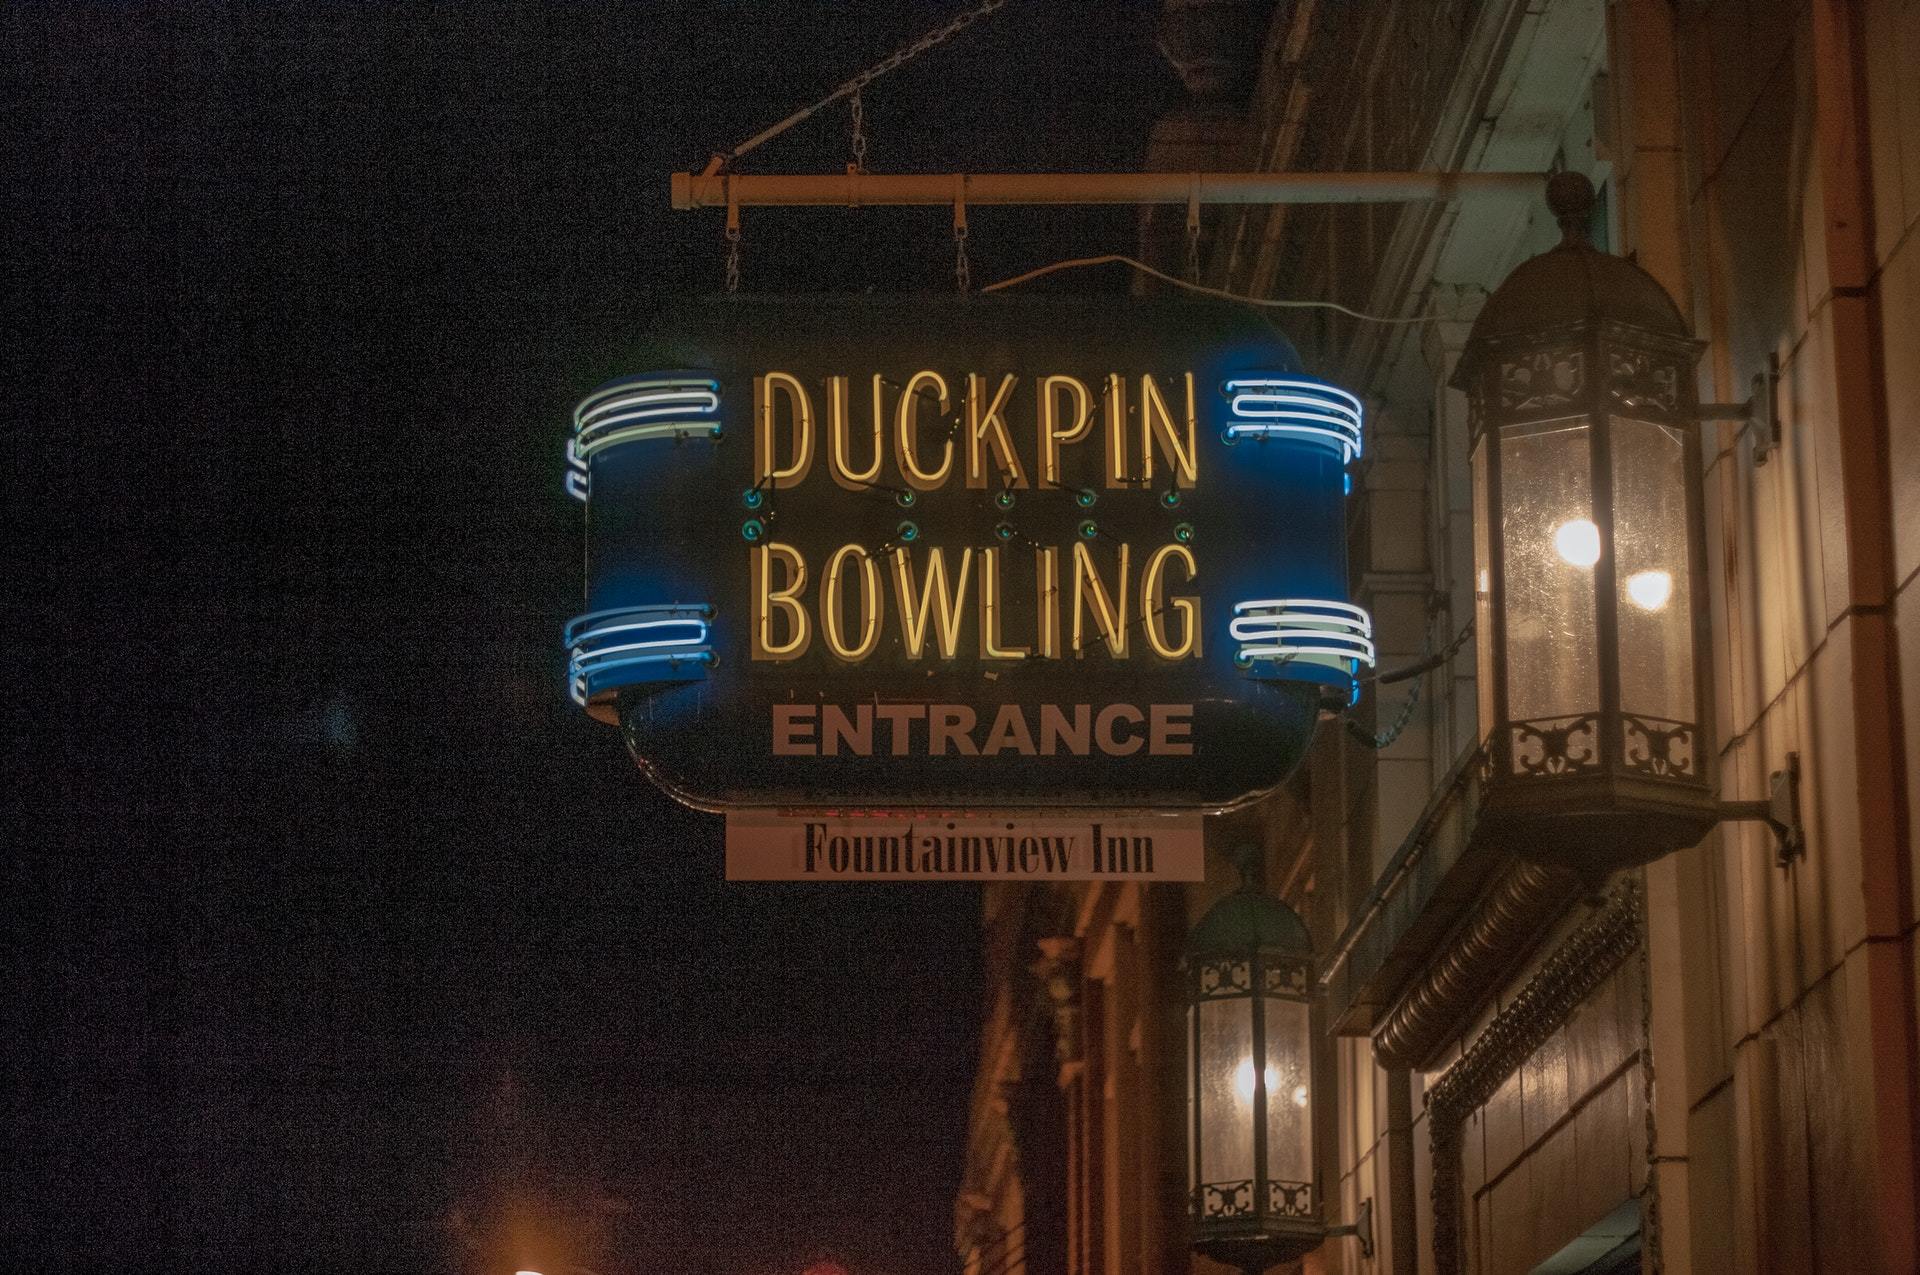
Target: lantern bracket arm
1760, 413
1780, 811
1361, 1228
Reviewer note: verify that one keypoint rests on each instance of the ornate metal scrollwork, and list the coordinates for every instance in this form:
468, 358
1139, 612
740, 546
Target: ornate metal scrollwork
1285, 976
1655, 746
1543, 379
1225, 1199
1636, 380
1556, 745
1229, 976
1290, 1199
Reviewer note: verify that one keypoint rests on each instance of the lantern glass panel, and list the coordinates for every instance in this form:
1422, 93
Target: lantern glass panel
1549, 544
1289, 1095
1651, 542
1225, 1041
1482, 591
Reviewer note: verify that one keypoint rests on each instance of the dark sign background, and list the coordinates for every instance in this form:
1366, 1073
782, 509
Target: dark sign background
665, 526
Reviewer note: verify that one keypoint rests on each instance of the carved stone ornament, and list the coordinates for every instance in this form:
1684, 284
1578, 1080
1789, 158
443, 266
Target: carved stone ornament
1059, 975
1576, 968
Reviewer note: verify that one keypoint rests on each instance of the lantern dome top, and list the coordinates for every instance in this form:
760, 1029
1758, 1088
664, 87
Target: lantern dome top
1573, 283
1250, 920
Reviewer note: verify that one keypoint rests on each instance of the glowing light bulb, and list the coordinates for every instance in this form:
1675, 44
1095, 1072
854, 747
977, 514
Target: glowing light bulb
1577, 542
1299, 1095
1243, 1080
1650, 589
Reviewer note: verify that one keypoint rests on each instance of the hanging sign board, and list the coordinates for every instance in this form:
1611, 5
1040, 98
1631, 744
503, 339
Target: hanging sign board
860, 552
921, 846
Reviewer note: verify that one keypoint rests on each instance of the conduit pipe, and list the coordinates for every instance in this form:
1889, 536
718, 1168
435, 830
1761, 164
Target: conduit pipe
855, 189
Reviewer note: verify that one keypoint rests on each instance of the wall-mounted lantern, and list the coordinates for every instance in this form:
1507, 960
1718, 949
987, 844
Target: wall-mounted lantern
1589, 558
1251, 1083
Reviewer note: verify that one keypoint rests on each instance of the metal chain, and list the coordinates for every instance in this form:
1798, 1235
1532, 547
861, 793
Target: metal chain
733, 260
962, 268
1427, 662
859, 133
960, 23
1386, 737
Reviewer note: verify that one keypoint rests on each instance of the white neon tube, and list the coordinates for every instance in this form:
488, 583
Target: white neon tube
640, 408
645, 389
1336, 634
1300, 407
1343, 610
589, 663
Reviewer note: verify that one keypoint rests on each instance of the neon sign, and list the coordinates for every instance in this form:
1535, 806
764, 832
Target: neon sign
991, 554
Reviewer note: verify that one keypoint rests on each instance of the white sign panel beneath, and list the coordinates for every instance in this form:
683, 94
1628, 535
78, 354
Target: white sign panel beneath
769, 846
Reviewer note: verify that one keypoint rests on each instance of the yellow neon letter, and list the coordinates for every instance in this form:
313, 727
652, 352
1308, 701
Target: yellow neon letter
766, 599
1046, 566
839, 462
1110, 609
763, 462
916, 608
982, 423
870, 604
1051, 439
1152, 603
907, 420
1156, 422
1116, 395
991, 610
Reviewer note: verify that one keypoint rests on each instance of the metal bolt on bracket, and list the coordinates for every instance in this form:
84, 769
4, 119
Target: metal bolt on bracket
1361, 1228
1780, 811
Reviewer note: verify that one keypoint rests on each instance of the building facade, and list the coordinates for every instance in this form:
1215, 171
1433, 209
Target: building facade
1705, 1064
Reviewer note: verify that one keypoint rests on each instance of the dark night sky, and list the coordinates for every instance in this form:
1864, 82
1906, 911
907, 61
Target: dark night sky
333, 925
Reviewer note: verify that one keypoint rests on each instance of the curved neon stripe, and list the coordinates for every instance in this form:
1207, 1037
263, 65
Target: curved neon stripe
1358, 614
1337, 635
1298, 407
593, 662
1311, 385
645, 386
1259, 406
658, 429
638, 408
1284, 642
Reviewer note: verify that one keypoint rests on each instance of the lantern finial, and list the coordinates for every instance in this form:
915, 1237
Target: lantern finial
1570, 196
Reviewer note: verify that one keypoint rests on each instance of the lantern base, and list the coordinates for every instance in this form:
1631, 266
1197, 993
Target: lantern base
1595, 824
1260, 1250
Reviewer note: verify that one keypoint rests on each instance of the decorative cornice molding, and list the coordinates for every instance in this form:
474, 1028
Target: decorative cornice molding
1059, 975
1569, 975
1524, 901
